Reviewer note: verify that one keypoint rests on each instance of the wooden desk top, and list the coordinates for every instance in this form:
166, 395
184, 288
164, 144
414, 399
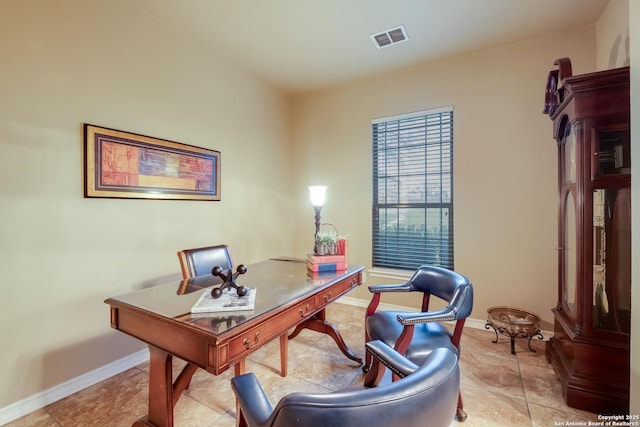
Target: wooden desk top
278, 283
286, 295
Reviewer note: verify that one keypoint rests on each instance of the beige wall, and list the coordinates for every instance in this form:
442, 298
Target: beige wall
68, 62
634, 38
612, 36
505, 188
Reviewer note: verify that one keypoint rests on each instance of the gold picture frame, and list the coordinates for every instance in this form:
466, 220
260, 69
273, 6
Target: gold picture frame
126, 165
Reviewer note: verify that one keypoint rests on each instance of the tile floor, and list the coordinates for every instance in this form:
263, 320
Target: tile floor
499, 389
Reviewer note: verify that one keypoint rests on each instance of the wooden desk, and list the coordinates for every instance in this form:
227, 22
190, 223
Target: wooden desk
287, 297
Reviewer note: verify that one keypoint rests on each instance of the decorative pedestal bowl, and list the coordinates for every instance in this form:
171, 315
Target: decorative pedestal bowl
514, 323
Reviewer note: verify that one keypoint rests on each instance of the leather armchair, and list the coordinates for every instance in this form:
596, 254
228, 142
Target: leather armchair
426, 397
200, 261
416, 335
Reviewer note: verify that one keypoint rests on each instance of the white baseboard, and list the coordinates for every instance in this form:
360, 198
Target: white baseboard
60, 391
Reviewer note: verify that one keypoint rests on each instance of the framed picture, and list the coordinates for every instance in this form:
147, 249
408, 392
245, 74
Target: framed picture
120, 164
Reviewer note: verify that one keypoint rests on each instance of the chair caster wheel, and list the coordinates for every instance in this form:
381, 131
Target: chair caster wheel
461, 415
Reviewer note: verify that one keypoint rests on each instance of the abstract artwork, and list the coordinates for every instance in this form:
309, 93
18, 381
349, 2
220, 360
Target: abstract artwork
126, 165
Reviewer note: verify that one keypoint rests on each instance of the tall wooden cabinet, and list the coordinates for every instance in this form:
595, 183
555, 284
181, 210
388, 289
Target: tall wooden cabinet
590, 347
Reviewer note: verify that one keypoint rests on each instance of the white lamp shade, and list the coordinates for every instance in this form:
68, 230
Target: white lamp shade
317, 194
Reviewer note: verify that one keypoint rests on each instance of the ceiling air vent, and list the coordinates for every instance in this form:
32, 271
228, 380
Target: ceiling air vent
389, 37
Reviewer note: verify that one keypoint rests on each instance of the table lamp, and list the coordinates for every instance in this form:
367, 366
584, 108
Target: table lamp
318, 194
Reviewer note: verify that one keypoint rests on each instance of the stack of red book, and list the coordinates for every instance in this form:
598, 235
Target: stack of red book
334, 262
320, 263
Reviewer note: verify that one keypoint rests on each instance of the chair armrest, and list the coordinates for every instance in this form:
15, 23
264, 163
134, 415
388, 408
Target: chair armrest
376, 290
390, 358
444, 315
253, 401
400, 287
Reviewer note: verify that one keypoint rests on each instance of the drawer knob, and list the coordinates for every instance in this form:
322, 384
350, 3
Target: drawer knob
247, 342
305, 311
327, 297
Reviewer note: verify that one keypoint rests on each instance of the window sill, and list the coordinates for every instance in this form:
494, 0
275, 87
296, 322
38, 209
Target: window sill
388, 273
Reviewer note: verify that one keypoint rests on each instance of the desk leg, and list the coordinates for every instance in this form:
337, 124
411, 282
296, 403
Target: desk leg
183, 381
318, 323
160, 389
239, 369
284, 354
163, 393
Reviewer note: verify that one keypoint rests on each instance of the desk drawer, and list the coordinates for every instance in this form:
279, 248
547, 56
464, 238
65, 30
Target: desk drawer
337, 290
257, 336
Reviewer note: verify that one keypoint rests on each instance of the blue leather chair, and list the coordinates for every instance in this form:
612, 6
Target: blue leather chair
200, 261
417, 335
425, 398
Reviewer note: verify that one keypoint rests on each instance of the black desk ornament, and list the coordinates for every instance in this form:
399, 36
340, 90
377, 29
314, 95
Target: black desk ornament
229, 280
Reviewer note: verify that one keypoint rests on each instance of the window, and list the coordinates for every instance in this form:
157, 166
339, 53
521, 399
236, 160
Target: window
413, 190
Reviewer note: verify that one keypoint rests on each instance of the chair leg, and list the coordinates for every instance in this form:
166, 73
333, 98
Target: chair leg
241, 421
461, 415
375, 374
368, 359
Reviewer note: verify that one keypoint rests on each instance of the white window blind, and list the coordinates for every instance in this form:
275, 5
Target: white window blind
413, 190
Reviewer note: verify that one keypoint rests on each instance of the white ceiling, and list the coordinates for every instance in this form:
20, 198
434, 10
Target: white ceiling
300, 45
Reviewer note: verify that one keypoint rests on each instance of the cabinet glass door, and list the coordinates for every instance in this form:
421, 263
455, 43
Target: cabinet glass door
612, 259
569, 154
569, 243
614, 152
569, 253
